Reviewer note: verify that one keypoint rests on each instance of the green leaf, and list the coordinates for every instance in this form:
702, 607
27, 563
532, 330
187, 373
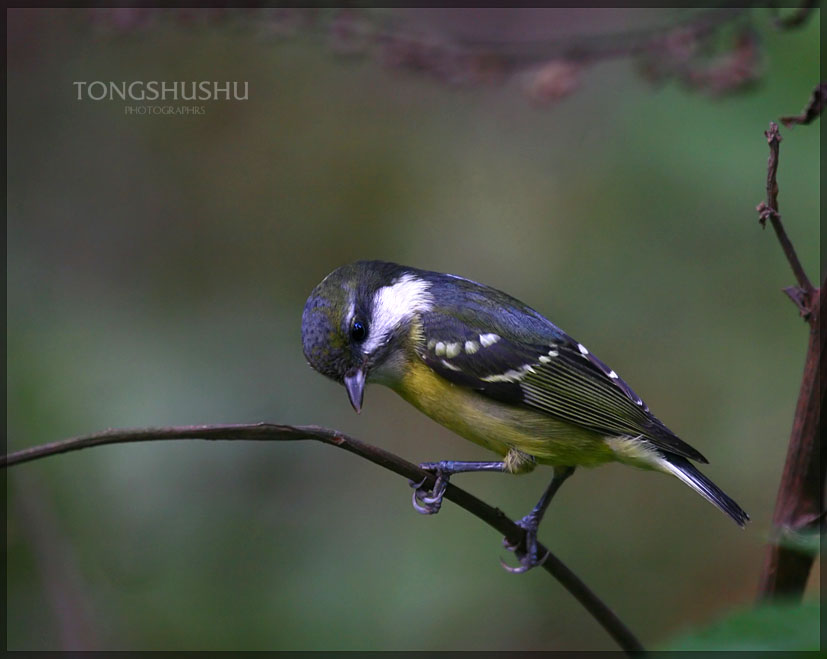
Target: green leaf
805, 542
767, 627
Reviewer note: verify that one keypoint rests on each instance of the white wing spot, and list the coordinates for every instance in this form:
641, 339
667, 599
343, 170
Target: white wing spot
510, 376
449, 365
545, 359
471, 347
452, 349
553, 353
439, 349
431, 344
583, 350
488, 339
613, 375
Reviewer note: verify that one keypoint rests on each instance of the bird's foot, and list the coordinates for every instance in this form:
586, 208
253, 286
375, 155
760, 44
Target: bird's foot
525, 550
425, 501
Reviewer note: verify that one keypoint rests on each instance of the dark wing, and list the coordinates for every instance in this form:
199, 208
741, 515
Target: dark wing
550, 373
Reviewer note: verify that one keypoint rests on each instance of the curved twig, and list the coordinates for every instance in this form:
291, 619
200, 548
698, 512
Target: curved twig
273, 432
768, 210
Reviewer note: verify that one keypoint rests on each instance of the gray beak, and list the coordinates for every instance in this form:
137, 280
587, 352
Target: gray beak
355, 385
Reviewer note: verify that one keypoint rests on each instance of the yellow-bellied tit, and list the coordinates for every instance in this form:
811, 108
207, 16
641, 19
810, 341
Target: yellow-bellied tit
494, 371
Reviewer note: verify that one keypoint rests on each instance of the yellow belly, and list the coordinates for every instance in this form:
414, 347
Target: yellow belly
498, 426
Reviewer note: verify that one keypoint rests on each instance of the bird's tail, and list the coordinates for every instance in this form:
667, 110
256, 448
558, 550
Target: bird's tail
689, 474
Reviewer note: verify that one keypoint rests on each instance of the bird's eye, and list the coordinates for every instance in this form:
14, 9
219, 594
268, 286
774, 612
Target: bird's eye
358, 331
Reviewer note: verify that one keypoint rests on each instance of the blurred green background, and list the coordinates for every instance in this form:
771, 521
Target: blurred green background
157, 269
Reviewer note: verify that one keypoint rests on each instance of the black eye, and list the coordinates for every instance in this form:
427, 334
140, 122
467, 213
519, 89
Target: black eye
358, 331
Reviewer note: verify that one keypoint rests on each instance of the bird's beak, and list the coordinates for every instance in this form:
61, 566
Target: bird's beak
355, 385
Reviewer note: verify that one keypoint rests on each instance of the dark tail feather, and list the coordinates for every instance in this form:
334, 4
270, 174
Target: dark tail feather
687, 472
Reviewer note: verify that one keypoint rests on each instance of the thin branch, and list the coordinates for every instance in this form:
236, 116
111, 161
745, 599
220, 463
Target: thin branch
271, 432
815, 106
769, 210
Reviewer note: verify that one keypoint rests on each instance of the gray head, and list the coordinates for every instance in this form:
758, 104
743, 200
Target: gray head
357, 316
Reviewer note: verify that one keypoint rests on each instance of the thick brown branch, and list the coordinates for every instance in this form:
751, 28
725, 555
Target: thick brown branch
271, 432
799, 505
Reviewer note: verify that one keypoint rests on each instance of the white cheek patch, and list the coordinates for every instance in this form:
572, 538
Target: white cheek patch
395, 304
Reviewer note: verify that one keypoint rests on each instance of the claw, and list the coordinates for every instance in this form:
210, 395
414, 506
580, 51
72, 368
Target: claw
529, 557
426, 505
435, 498
418, 485
526, 563
509, 546
425, 502
423, 510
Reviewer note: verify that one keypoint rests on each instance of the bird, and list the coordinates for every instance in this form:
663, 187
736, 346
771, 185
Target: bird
494, 371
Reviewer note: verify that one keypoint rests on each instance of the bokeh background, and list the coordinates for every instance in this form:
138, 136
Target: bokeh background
157, 269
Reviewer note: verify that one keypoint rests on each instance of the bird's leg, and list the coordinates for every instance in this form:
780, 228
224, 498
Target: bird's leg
529, 557
428, 502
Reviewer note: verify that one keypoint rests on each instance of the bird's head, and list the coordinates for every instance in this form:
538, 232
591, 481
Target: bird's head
356, 323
